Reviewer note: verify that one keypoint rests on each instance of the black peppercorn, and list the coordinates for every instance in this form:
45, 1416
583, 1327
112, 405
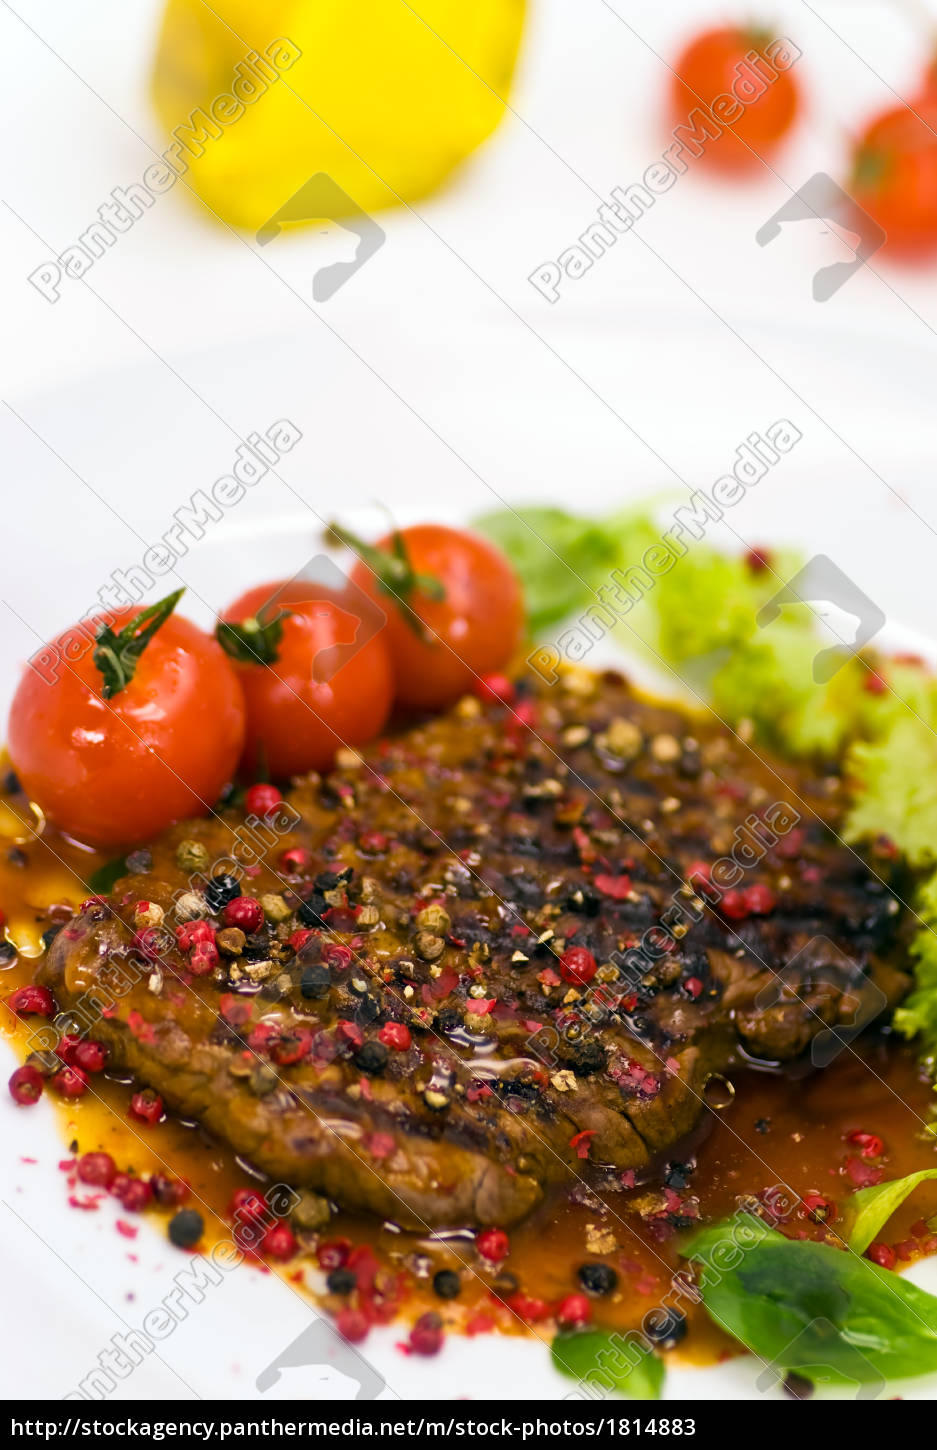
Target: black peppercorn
597, 1278
367, 1010
257, 945
186, 1228
447, 1284
329, 880
342, 1281
315, 981
665, 1326
310, 911
584, 900
140, 862
372, 1057
505, 1284
220, 890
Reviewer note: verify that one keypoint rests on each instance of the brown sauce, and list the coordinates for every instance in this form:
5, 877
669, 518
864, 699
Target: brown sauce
777, 1129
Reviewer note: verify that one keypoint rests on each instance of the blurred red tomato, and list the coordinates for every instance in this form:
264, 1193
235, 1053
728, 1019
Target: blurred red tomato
894, 176
742, 77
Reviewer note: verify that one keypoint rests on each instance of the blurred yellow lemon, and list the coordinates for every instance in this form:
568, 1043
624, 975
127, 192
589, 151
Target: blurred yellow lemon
385, 97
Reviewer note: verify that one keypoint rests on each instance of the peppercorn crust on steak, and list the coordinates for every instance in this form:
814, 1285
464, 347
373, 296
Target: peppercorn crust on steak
445, 1009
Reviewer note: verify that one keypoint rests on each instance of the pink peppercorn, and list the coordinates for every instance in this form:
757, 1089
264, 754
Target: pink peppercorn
352, 1325
203, 958
245, 912
26, 1086
194, 932
870, 1145
527, 1308
31, 1002
70, 1082
426, 1336
881, 1254
279, 1243
574, 1311
262, 799
493, 1244
496, 689
133, 1193
760, 900
820, 1209
734, 906
146, 1107
98, 1169
395, 1035
578, 965
89, 1056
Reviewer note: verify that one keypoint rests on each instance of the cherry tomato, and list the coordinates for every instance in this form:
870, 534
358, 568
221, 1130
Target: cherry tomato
894, 177
309, 685
742, 78
115, 769
454, 609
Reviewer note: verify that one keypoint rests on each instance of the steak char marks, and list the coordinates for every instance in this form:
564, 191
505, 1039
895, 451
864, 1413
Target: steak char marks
429, 1049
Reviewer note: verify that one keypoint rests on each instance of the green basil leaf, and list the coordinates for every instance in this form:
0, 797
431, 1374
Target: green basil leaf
612, 1362
829, 1315
867, 1212
104, 879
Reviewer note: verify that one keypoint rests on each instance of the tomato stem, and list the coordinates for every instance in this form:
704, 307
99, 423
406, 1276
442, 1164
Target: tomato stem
394, 572
255, 641
116, 655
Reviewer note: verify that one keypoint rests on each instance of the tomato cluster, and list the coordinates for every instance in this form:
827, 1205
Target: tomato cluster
745, 83
152, 718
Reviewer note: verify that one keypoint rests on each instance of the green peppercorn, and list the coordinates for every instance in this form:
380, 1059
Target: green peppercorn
191, 856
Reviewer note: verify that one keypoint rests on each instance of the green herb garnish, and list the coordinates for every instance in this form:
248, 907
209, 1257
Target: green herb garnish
821, 1312
866, 1213
609, 1363
102, 881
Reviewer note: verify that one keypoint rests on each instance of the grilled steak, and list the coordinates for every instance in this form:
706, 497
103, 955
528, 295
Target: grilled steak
494, 953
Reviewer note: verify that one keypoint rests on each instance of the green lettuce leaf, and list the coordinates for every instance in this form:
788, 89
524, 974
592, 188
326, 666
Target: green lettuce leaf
894, 783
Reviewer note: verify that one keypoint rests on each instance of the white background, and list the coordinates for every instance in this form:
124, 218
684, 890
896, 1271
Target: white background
436, 381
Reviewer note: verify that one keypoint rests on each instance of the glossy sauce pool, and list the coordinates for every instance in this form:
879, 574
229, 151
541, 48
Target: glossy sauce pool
787, 1132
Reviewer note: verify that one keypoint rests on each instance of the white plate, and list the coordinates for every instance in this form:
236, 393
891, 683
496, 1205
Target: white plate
144, 443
